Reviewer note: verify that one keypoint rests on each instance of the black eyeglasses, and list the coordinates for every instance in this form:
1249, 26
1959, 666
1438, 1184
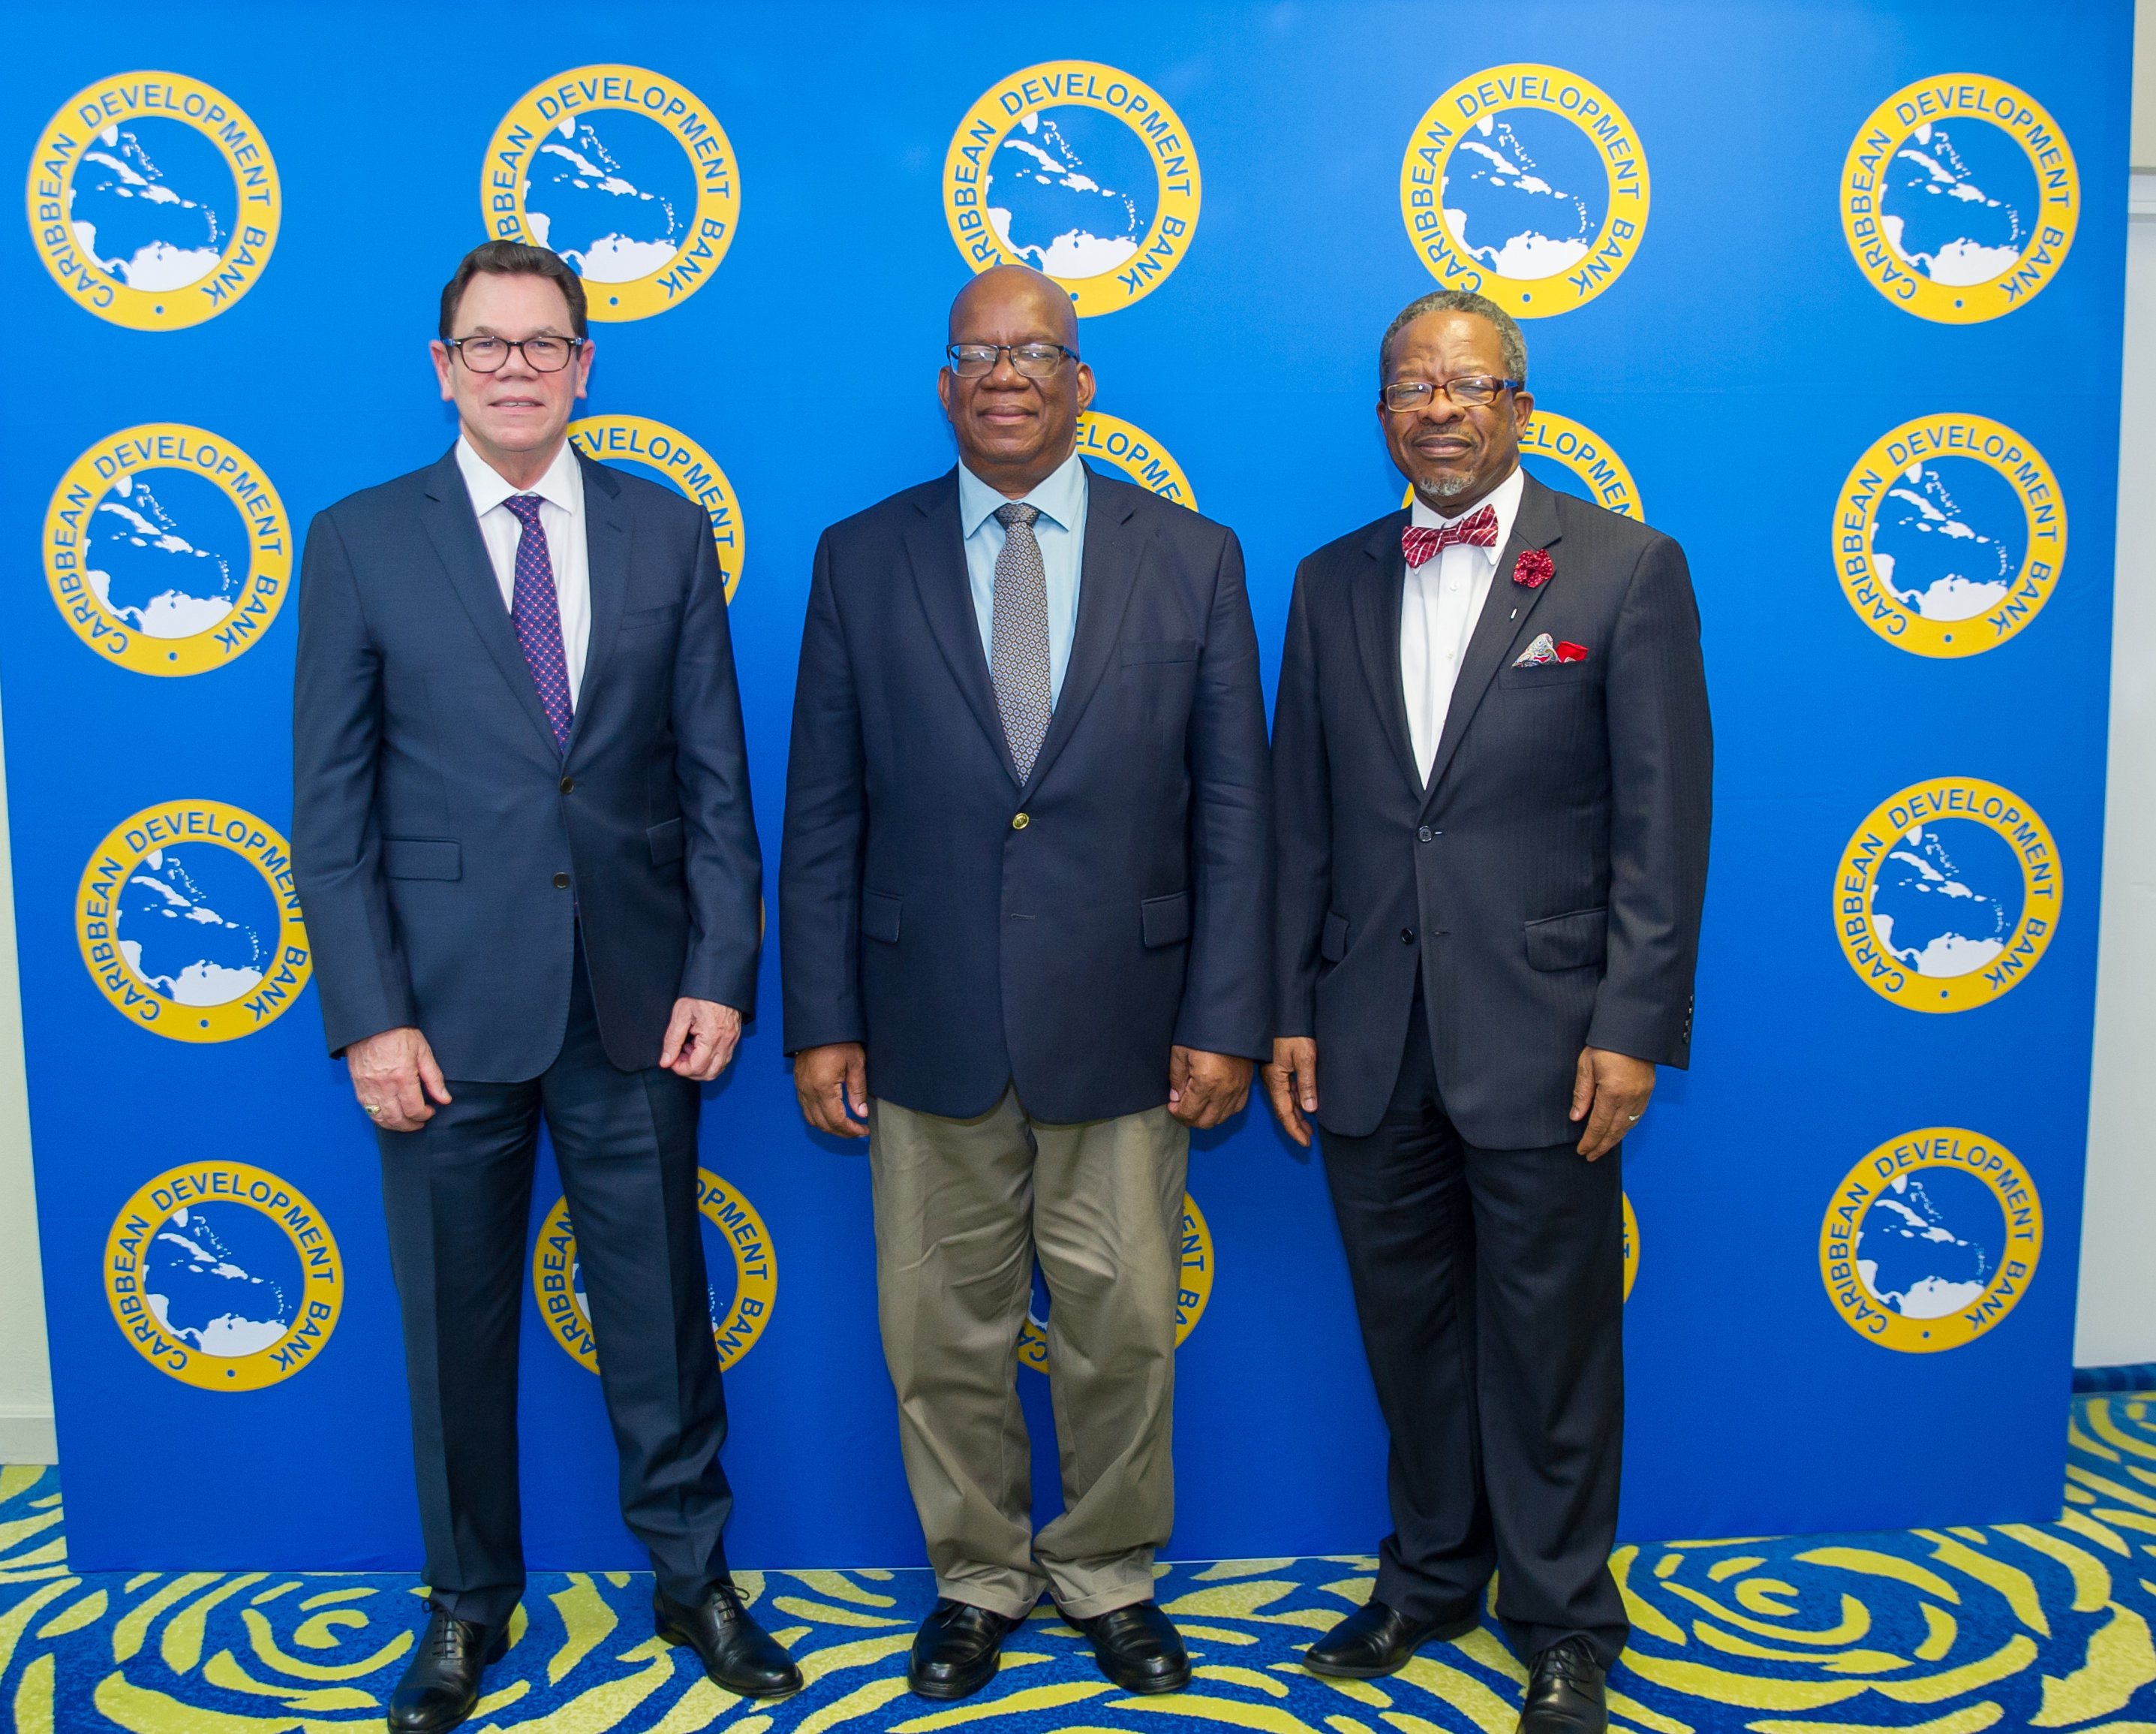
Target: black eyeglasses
1470, 391
1035, 360
490, 355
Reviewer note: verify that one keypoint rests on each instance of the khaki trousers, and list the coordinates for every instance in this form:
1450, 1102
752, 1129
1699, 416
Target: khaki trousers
962, 1207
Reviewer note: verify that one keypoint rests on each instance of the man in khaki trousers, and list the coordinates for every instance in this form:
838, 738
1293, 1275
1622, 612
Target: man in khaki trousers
1024, 903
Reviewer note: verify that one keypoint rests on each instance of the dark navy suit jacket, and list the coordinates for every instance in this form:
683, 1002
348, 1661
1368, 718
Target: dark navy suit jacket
446, 847
1062, 934
1548, 882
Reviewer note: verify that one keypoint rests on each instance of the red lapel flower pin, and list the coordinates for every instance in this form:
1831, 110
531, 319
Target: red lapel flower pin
1533, 568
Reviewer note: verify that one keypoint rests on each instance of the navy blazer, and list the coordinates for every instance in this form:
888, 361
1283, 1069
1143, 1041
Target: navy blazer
1059, 933
1548, 882
446, 847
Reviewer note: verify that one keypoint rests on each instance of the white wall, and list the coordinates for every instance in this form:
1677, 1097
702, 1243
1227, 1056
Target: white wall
2116, 1323
26, 1377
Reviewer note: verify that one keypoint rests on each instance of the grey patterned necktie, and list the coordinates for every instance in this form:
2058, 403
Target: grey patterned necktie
1017, 637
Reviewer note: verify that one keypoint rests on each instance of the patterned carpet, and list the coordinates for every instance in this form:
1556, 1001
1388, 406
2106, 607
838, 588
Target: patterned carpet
1927, 1632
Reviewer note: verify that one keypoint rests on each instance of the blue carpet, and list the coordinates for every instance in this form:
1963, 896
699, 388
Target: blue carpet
2020, 1626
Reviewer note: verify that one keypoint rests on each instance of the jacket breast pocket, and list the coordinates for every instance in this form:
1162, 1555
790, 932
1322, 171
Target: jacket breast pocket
1568, 942
1332, 943
638, 619
422, 858
1165, 920
880, 914
1547, 676
1137, 651
668, 843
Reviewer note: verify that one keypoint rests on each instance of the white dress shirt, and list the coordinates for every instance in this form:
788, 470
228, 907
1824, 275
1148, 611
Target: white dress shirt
1439, 607
1060, 530
561, 490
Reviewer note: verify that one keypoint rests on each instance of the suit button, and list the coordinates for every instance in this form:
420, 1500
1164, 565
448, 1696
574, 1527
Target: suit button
1407, 936
1019, 821
567, 784
1424, 834
561, 881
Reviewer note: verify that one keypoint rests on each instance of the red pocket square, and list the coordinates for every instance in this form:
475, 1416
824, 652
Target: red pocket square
1567, 651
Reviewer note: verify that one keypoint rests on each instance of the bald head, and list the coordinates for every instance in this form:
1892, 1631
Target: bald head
1006, 293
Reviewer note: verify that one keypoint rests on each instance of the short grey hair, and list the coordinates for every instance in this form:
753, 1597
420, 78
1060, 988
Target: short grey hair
1460, 300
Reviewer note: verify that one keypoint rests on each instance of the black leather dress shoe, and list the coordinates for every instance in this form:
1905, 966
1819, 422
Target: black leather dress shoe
1138, 1648
1376, 1640
957, 1650
1565, 1691
441, 1687
737, 1654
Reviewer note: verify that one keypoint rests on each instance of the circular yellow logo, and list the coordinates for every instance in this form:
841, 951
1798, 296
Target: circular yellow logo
671, 456
1631, 1245
223, 1276
167, 549
1191, 1293
1078, 170
1134, 451
1601, 473
1931, 1240
732, 1224
1948, 533
625, 173
153, 200
1948, 894
189, 923
1959, 198
1528, 184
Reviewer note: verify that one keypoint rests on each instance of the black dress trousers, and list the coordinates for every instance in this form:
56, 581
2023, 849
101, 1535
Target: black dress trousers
1490, 1286
458, 1196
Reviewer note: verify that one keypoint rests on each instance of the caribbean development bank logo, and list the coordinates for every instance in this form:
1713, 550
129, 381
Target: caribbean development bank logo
1959, 198
1559, 447
1631, 1245
1192, 1291
153, 200
1106, 439
167, 549
189, 923
1931, 1240
223, 1276
737, 1258
1948, 894
1950, 532
1527, 184
637, 442
1077, 170
625, 173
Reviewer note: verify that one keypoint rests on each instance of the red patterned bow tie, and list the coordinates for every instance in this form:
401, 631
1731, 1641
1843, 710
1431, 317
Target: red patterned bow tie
1478, 529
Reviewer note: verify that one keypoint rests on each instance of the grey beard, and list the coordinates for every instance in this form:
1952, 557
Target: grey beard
1446, 487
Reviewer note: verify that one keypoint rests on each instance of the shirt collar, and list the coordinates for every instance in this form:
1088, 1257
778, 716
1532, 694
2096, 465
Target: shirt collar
561, 486
1504, 500
1060, 497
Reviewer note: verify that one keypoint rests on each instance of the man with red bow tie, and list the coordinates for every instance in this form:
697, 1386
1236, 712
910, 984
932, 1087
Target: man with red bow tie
1493, 772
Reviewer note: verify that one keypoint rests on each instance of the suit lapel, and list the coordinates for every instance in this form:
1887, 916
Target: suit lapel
1108, 574
1378, 589
1500, 628
936, 550
606, 563
454, 529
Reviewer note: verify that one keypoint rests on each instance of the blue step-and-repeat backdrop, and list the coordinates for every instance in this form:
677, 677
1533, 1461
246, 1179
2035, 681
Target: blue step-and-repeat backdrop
1832, 294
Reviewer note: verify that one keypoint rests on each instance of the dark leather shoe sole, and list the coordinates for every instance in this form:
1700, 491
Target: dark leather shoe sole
1444, 1632
956, 1685
672, 1633
1146, 1684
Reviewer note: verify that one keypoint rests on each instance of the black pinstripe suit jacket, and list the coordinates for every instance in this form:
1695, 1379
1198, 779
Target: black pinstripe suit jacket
1548, 882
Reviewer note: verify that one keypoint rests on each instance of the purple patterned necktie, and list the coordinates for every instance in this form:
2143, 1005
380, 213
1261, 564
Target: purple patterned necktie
537, 617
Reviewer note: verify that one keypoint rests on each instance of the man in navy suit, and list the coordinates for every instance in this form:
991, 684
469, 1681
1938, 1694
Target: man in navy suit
1023, 909
1493, 764
522, 834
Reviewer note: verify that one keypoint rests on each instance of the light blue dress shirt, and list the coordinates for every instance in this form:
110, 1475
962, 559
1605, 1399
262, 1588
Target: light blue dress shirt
1060, 530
